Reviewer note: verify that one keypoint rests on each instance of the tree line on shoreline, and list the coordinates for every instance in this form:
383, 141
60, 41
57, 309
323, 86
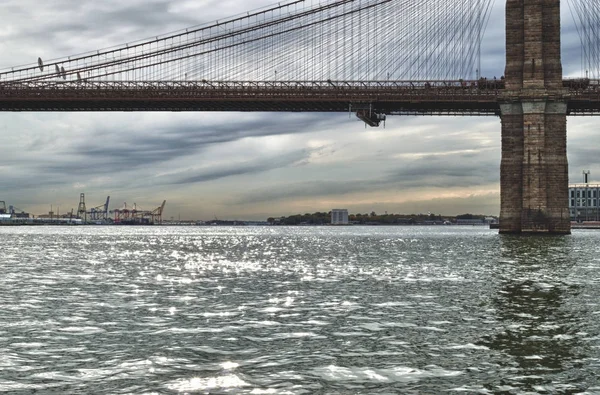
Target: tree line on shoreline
322, 218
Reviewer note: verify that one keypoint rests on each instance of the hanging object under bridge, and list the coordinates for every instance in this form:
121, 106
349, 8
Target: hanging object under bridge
371, 118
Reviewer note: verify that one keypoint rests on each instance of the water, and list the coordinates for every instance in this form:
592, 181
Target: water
303, 310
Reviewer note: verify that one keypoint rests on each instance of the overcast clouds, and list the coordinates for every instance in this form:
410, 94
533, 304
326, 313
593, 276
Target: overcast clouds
249, 165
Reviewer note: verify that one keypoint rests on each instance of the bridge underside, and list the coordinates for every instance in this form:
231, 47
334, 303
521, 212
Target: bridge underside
386, 97
390, 107
390, 97
386, 107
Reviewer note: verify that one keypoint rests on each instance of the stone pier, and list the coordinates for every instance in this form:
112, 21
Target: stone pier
534, 169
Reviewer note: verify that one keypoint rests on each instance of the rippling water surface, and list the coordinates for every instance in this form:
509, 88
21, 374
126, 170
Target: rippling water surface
299, 310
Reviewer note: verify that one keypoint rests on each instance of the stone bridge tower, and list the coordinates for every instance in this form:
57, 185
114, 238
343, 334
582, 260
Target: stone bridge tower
534, 169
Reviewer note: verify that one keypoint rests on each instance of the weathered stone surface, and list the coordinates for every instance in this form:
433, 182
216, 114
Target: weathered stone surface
534, 168
515, 22
511, 168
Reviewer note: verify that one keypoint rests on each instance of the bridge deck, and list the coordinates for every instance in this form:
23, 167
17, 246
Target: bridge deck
390, 97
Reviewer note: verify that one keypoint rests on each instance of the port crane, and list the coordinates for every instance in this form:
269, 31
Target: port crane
157, 213
100, 213
127, 215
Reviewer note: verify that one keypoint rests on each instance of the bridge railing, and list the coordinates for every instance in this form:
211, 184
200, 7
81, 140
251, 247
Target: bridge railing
407, 97
436, 88
575, 86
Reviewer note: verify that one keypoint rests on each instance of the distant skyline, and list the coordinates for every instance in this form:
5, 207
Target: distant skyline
245, 165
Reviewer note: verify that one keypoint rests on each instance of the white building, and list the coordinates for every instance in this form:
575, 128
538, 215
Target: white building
339, 216
584, 202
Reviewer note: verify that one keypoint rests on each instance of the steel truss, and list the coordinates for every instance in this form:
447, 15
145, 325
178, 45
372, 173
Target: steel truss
478, 97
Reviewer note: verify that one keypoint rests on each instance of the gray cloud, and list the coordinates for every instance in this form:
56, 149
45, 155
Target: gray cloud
245, 168
455, 171
133, 148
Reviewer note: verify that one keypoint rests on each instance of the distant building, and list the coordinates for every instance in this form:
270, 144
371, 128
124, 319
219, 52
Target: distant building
584, 202
22, 214
339, 216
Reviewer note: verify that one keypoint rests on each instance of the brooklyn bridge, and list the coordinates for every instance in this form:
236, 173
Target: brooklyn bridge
373, 58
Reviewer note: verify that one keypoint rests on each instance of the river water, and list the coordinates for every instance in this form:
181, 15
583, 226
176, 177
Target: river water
298, 310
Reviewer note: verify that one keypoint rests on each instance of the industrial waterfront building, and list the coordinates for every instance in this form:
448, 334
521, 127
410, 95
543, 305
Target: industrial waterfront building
339, 216
584, 202
99, 215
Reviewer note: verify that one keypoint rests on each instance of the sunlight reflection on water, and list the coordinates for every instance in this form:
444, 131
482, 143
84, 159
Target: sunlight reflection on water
297, 310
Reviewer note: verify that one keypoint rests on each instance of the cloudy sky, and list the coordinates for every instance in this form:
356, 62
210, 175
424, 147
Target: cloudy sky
250, 165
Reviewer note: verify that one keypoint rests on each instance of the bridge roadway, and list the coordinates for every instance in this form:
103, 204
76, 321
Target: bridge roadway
479, 97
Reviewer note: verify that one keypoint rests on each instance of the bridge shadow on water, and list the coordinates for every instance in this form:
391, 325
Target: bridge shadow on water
538, 321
